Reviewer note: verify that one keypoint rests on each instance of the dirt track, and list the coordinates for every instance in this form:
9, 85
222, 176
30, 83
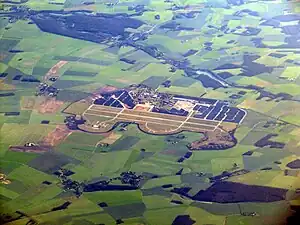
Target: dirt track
54, 69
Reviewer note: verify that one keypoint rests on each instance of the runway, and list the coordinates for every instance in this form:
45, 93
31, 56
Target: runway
156, 122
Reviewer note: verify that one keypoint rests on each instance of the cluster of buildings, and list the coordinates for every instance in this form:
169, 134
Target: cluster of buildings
142, 94
47, 90
3, 179
72, 121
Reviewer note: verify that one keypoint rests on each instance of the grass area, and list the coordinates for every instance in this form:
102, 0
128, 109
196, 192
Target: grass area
214, 154
26, 203
287, 111
232, 220
192, 136
155, 69
119, 197
5, 191
81, 138
77, 147
290, 73
262, 178
233, 23
161, 181
98, 164
44, 206
156, 166
81, 206
234, 72
195, 89
254, 81
7, 166
3, 67
241, 132
22, 118
50, 217
225, 164
134, 221
151, 144
19, 157
217, 17
150, 16
22, 30
88, 88
168, 43
29, 176
270, 61
293, 119
215, 94
44, 4
83, 66
25, 61
286, 182
36, 118
204, 217
47, 194
292, 89
19, 134
261, 106
95, 52
77, 108
11, 103
157, 201
95, 218
132, 158
163, 216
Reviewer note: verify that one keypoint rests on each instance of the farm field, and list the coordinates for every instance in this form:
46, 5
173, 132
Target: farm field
149, 112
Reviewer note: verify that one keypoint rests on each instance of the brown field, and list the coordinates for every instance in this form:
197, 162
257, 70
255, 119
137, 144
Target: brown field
247, 104
33, 149
77, 108
144, 108
112, 138
108, 88
49, 105
2, 56
213, 138
228, 126
104, 118
27, 102
6, 87
60, 133
293, 147
124, 81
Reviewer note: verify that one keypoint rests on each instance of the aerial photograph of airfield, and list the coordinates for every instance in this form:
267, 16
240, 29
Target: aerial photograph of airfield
149, 112
164, 113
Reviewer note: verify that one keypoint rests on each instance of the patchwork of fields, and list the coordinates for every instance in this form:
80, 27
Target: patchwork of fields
152, 112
